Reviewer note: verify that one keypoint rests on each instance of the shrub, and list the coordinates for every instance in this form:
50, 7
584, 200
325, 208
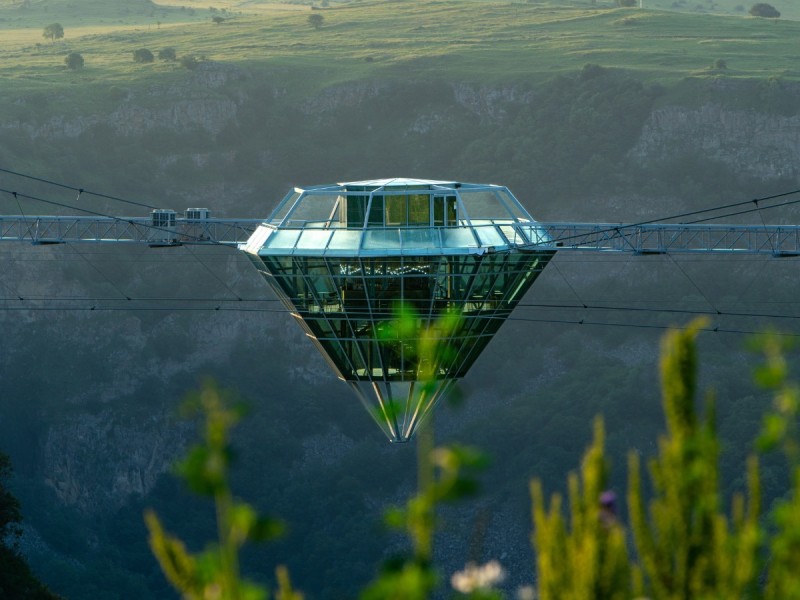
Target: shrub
719, 64
189, 62
167, 54
143, 55
74, 61
762, 9
218, 20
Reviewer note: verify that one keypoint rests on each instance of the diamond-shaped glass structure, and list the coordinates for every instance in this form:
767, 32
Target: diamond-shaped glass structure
453, 259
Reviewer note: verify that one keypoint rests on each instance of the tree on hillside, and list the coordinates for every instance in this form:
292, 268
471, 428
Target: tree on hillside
316, 20
53, 32
762, 9
74, 61
218, 20
16, 579
143, 55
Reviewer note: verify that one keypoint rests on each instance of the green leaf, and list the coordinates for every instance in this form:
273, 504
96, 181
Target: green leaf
267, 528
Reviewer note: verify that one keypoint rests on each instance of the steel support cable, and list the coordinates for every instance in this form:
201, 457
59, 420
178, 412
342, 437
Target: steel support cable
744, 212
694, 284
12, 290
240, 309
677, 311
75, 189
569, 285
220, 305
761, 216
103, 275
715, 329
214, 275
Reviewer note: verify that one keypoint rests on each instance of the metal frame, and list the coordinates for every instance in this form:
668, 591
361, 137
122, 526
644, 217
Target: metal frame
118, 230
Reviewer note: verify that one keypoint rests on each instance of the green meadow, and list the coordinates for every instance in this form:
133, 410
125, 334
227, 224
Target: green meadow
453, 40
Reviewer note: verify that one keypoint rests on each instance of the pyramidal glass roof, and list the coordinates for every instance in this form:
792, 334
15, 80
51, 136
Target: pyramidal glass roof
395, 217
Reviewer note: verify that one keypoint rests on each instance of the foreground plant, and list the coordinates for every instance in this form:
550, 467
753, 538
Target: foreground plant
687, 548
445, 474
214, 573
587, 557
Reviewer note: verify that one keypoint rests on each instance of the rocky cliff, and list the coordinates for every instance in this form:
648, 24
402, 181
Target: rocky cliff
91, 399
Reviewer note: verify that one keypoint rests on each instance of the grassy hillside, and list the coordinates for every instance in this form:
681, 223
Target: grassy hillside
788, 8
488, 42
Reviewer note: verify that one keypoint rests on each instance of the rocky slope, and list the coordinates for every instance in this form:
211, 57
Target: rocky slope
90, 399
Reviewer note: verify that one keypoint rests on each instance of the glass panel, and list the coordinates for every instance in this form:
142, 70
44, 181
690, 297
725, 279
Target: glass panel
314, 239
283, 239
286, 205
420, 238
483, 205
458, 237
313, 208
382, 238
489, 236
419, 209
356, 211
395, 210
451, 214
345, 240
513, 205
376, 212
438, 211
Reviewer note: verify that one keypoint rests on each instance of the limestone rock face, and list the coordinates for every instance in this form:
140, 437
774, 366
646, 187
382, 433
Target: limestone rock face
96, 462
758, 144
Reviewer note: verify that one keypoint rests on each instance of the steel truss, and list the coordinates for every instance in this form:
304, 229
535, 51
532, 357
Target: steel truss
778, 240
61, 230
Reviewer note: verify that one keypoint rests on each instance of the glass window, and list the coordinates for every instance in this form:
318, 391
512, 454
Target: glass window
376, 212
314, 208
286, 205
356, 210
396, 210
444, 211
513, 205
483, 205
419, 209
